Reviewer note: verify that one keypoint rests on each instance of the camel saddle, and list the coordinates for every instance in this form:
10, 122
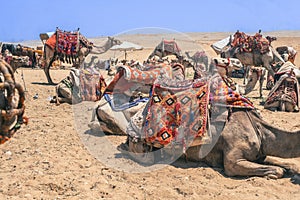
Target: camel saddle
178, 111
286, 88
65, 43
246, 43
132, 85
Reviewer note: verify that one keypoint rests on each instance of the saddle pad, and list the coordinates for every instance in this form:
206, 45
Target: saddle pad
90, 86
223, 95
126, 77
285, 89
177, 113
67, 42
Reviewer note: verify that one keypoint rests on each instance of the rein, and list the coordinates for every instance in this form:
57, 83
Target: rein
225, 67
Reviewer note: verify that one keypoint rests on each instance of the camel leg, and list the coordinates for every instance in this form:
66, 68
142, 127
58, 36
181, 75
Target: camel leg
63, 100
246, 74
261, 82
243, 167
289, 164
47, 72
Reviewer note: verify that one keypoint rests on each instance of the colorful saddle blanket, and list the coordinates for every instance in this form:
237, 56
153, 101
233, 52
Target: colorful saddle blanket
223, 94
64, 42
247, 43
178, 110
131, 86
286, 87
126, 77
67, 42
91, 85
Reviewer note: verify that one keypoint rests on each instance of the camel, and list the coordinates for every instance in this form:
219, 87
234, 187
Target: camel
284, 95
242, 143
78, 86
50, 54
256, 59
199, 57
11, 104
288, 53
251, 51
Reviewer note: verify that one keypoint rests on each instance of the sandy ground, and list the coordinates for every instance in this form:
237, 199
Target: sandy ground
56, 157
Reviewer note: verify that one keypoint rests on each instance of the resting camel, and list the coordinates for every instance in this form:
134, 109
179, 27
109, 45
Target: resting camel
242, 142
50, 54
12, 105
284, 95
107, 116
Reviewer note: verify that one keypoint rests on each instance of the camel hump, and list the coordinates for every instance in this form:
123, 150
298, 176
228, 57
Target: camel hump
247, 43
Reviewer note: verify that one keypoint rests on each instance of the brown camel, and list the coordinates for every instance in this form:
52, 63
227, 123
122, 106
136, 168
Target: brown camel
199, 57
241, 142
241, 147
255, 59
50, 54
12, 106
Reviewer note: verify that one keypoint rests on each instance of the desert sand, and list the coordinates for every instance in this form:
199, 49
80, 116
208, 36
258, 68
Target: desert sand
56, 157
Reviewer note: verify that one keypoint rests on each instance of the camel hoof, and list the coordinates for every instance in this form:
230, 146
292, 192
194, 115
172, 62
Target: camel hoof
272, 176
275, 173
296, 179
94, 126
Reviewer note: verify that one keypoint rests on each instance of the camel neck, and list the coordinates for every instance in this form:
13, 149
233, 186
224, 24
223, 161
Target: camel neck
280, 143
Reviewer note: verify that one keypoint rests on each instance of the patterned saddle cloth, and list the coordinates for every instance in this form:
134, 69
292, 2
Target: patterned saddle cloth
91, 85
178, 110
131, 85
247, 43
285, 89
67, 42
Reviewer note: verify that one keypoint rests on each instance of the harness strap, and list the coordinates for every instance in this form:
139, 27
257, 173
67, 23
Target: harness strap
68, 83
226, 66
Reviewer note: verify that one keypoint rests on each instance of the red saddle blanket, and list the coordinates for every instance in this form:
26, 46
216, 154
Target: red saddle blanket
91, 85
178, 110
247, 43
64, 42
127, 77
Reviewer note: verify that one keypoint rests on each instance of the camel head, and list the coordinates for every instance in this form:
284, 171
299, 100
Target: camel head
225, 66
114, 41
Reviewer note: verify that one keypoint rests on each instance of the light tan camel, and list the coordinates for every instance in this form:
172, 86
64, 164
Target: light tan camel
255, 59
242, 144
50, 54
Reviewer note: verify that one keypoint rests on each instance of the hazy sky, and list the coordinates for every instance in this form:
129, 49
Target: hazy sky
25, 19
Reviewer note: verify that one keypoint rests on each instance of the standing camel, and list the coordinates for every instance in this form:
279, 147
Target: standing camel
85, 47
254, 58
199, 57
